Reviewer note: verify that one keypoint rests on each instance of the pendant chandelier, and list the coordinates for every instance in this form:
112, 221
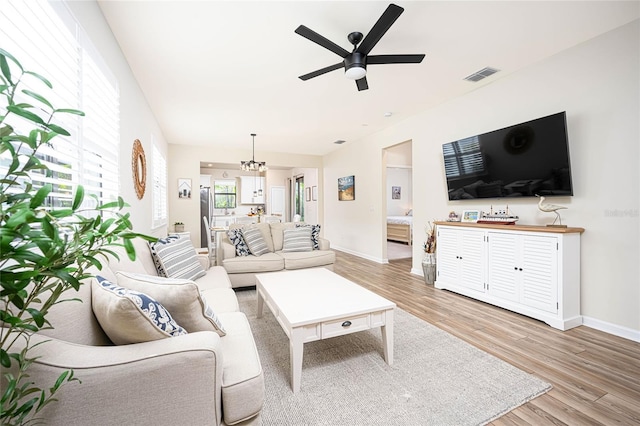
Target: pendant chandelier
253, 165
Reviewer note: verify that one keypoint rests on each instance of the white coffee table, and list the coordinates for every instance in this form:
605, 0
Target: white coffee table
315, 304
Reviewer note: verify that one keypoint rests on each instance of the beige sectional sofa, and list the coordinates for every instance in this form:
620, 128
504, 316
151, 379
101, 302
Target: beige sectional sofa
198, 378
242, 269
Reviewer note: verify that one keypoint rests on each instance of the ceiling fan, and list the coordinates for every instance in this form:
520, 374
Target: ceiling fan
355, 62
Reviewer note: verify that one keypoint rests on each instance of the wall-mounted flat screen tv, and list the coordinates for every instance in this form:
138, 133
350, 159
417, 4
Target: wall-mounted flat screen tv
522, 160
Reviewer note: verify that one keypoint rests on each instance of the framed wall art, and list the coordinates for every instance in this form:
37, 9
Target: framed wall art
347, 188
395, 192
184, 188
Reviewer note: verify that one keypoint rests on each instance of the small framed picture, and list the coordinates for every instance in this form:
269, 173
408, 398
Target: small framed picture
471, 215
184, 188
396, 192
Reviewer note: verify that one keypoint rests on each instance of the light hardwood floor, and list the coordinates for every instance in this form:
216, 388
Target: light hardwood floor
595, 376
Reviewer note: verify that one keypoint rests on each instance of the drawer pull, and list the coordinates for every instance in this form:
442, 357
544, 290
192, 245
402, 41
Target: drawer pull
346, 323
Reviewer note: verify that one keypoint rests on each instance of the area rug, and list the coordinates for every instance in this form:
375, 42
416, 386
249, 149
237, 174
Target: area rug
436, 378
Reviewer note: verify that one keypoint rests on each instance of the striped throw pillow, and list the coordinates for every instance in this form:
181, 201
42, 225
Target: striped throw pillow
315, 234
297, 239
177, 258
254, 239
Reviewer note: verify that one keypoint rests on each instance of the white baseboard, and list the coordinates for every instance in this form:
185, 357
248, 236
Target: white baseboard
362, 255
616, 330
418, 272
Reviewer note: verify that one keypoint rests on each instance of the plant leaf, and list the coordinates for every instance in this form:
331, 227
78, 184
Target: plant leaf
40, 196
37, 97
70, 111
78, 198
25, 114
59, 130
41, 78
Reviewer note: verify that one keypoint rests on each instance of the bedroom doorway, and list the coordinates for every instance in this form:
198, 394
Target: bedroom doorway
399, 202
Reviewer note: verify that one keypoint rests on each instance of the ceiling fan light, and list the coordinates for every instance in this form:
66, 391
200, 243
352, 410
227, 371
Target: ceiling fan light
355, 73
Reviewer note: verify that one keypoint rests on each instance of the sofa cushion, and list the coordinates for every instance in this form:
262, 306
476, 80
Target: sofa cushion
221, 299
308, 259
297, 239
128, 316
215, 277
268, 262
176, 258
237, 239
242, 376
277, 233
182, 298
255, 241
315, 234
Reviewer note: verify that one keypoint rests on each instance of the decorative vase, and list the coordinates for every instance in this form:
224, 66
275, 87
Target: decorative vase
429, 268
179, 228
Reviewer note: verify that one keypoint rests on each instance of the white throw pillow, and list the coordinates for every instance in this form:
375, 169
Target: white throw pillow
128, 316
297, 239
181, 297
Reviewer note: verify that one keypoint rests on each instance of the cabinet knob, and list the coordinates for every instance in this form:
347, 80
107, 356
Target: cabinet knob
520, 269
515, 268
346, 323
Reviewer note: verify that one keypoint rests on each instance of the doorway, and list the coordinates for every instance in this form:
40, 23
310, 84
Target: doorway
298, 197
398, 201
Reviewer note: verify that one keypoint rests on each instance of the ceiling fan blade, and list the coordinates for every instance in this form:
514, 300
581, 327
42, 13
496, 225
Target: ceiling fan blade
322, 41
362, 84
387, 19
394, 59
322, 71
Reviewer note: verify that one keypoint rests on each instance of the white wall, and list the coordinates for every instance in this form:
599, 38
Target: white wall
597, 84
136, 119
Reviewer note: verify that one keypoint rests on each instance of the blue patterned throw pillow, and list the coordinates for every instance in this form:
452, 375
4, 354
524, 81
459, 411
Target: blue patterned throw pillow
128, 316
236, 238
315, 234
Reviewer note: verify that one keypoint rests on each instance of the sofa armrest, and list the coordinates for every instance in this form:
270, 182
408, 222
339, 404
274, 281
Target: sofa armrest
203, 258
324, 244
228, 250
122, 383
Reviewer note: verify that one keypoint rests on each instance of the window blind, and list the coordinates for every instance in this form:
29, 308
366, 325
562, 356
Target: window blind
159, 188
46, 39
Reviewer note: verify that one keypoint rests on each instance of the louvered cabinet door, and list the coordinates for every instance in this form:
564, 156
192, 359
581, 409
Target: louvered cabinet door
472, 260
503, 277
539, 259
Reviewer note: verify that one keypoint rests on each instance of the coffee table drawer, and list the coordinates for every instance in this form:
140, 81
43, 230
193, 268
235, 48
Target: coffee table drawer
345, 326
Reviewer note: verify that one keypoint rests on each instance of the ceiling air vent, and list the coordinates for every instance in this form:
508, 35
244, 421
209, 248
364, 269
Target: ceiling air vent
339, 142
483, 73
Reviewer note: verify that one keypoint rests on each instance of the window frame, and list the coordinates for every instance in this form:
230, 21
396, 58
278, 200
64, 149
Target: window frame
233, 194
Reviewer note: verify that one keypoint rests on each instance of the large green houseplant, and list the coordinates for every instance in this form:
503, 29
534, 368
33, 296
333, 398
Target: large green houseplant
44, 251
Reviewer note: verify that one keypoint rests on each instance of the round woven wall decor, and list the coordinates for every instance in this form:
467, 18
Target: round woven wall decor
139, 168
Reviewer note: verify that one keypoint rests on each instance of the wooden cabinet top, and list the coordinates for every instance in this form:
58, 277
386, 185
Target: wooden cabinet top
530, 228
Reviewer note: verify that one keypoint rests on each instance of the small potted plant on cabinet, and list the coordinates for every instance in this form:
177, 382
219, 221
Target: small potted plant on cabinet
178, 227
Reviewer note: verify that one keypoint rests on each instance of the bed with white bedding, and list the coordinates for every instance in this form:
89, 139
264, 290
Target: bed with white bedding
399, 228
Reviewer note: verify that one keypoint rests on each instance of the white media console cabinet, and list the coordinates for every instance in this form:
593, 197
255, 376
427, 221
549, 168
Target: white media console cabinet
531, 270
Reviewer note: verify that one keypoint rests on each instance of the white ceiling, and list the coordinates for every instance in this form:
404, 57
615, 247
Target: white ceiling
215, 71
